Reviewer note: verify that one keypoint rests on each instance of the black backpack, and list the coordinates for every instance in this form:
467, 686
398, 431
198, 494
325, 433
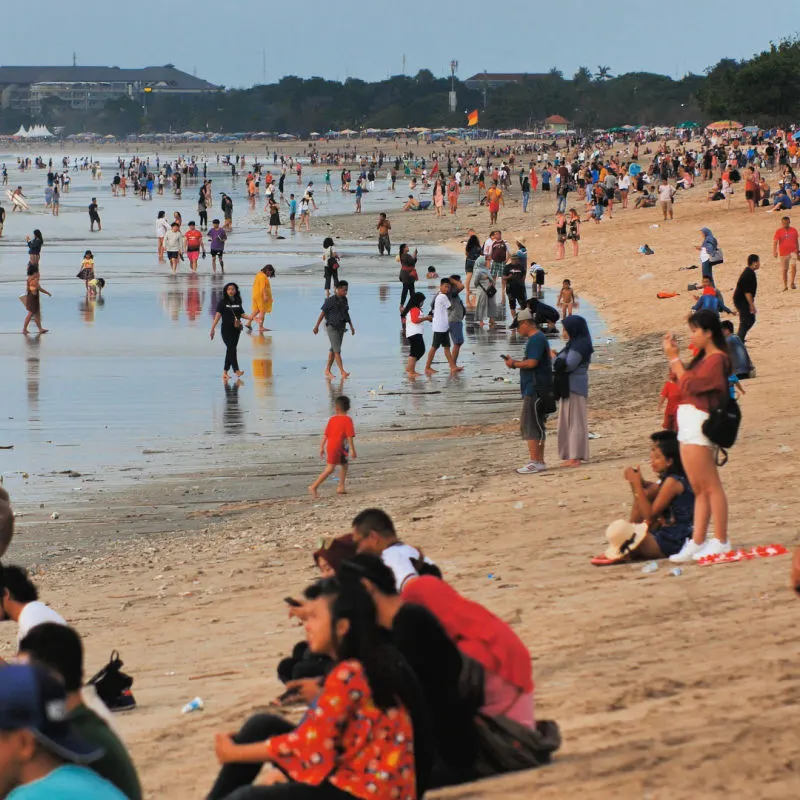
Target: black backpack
110, 682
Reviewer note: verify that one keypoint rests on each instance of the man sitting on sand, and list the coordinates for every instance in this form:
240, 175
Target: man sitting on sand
20, 602
59, 648
412, 204
374, 533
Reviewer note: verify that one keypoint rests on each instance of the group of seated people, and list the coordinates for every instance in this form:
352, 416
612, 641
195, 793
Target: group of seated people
410, 686
57, 736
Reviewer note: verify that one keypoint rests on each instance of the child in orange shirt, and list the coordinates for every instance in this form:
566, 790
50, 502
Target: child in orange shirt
670, 395
339, 436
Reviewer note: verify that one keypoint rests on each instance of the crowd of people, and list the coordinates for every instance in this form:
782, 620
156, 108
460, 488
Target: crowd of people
409, 685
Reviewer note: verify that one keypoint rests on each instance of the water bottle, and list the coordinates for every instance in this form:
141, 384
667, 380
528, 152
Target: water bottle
193, 705
651, 567
676, 572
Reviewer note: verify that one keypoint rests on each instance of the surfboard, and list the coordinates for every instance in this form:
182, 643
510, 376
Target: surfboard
19, 202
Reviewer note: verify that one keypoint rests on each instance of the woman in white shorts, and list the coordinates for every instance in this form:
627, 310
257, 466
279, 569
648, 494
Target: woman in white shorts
703, 384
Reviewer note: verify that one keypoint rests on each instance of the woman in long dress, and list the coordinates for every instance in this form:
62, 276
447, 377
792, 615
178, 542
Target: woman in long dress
262, 297
573, 423
485, 294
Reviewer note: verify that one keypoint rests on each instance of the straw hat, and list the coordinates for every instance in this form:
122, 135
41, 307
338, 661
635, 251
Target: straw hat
623, 537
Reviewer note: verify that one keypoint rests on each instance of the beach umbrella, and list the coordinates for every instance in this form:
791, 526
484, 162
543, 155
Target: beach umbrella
686, 125
725, 125
752, 129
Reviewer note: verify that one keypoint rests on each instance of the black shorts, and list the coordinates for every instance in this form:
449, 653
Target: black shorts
172, 254
532, 419
416, 346
94, 217
441, 339
750, 195
215, 253
469, 265
545, 187
539, 277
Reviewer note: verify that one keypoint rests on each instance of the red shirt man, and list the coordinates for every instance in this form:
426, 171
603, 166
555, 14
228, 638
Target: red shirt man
194, 244
786, 246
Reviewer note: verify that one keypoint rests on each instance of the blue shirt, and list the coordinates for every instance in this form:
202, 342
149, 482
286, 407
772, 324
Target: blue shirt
540, 376
68, 783
732, 381
293, 206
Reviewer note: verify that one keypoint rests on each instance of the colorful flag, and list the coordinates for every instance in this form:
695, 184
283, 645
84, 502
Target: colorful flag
472, 118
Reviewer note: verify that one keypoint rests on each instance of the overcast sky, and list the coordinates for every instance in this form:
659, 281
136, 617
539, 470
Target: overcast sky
224, 42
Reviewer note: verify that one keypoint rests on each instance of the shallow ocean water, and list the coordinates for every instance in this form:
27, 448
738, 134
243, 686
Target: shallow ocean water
129, 386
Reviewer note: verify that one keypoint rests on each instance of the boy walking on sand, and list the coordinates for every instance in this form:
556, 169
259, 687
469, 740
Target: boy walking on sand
339, 437
441, 328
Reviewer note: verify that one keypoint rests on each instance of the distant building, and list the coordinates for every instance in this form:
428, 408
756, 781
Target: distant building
495, 79
557, 123
87, 88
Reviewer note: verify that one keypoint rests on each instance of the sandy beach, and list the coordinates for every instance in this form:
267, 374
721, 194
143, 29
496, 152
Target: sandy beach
665, 687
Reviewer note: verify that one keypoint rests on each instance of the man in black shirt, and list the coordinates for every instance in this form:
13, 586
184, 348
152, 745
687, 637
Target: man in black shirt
336, 313
744, 296
94, 217
514, 280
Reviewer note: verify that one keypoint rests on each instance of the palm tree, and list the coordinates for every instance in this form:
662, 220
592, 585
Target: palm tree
582, 76
603, 73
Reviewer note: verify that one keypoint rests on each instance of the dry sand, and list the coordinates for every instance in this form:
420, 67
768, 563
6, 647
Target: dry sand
665, 687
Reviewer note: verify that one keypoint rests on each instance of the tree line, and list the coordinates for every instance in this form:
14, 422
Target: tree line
763, 90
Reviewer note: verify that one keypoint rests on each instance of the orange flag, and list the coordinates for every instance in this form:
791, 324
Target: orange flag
472, 118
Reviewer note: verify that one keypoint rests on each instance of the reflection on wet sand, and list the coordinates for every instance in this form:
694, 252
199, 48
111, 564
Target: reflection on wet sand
194, 298
232, 416
384, 292
262, 365
32, 375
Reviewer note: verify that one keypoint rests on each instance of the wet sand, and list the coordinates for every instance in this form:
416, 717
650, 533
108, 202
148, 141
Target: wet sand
665, 687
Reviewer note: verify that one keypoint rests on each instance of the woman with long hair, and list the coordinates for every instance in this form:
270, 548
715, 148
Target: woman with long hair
408, 273
703, 385
356, 740
230, 312
662, 513
35, 248
472, 250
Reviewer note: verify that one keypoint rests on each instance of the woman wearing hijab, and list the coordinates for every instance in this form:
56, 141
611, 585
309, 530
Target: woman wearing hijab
230, 312
573, 362
262, 297
710, 254
485, 294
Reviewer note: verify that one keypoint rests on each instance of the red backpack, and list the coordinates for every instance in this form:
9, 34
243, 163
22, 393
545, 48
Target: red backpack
499, 252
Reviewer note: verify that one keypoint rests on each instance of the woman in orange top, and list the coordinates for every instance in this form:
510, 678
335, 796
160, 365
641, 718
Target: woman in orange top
356, 739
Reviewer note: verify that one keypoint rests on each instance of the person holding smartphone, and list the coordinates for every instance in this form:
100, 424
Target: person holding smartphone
535, 381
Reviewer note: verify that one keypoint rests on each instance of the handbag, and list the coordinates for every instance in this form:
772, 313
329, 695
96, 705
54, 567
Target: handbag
507, 746
722, 425
716, 257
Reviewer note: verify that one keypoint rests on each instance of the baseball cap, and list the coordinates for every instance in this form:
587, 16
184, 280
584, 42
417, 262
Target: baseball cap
31, 698
523, 315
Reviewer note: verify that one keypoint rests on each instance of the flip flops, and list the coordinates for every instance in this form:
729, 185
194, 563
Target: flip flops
602, 561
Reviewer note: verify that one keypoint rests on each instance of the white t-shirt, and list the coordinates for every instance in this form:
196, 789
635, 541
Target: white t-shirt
398, 558
440, 307
34, 614
665, 193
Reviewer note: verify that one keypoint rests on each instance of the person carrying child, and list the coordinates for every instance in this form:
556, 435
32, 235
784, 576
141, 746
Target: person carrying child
338, 442
86, 273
